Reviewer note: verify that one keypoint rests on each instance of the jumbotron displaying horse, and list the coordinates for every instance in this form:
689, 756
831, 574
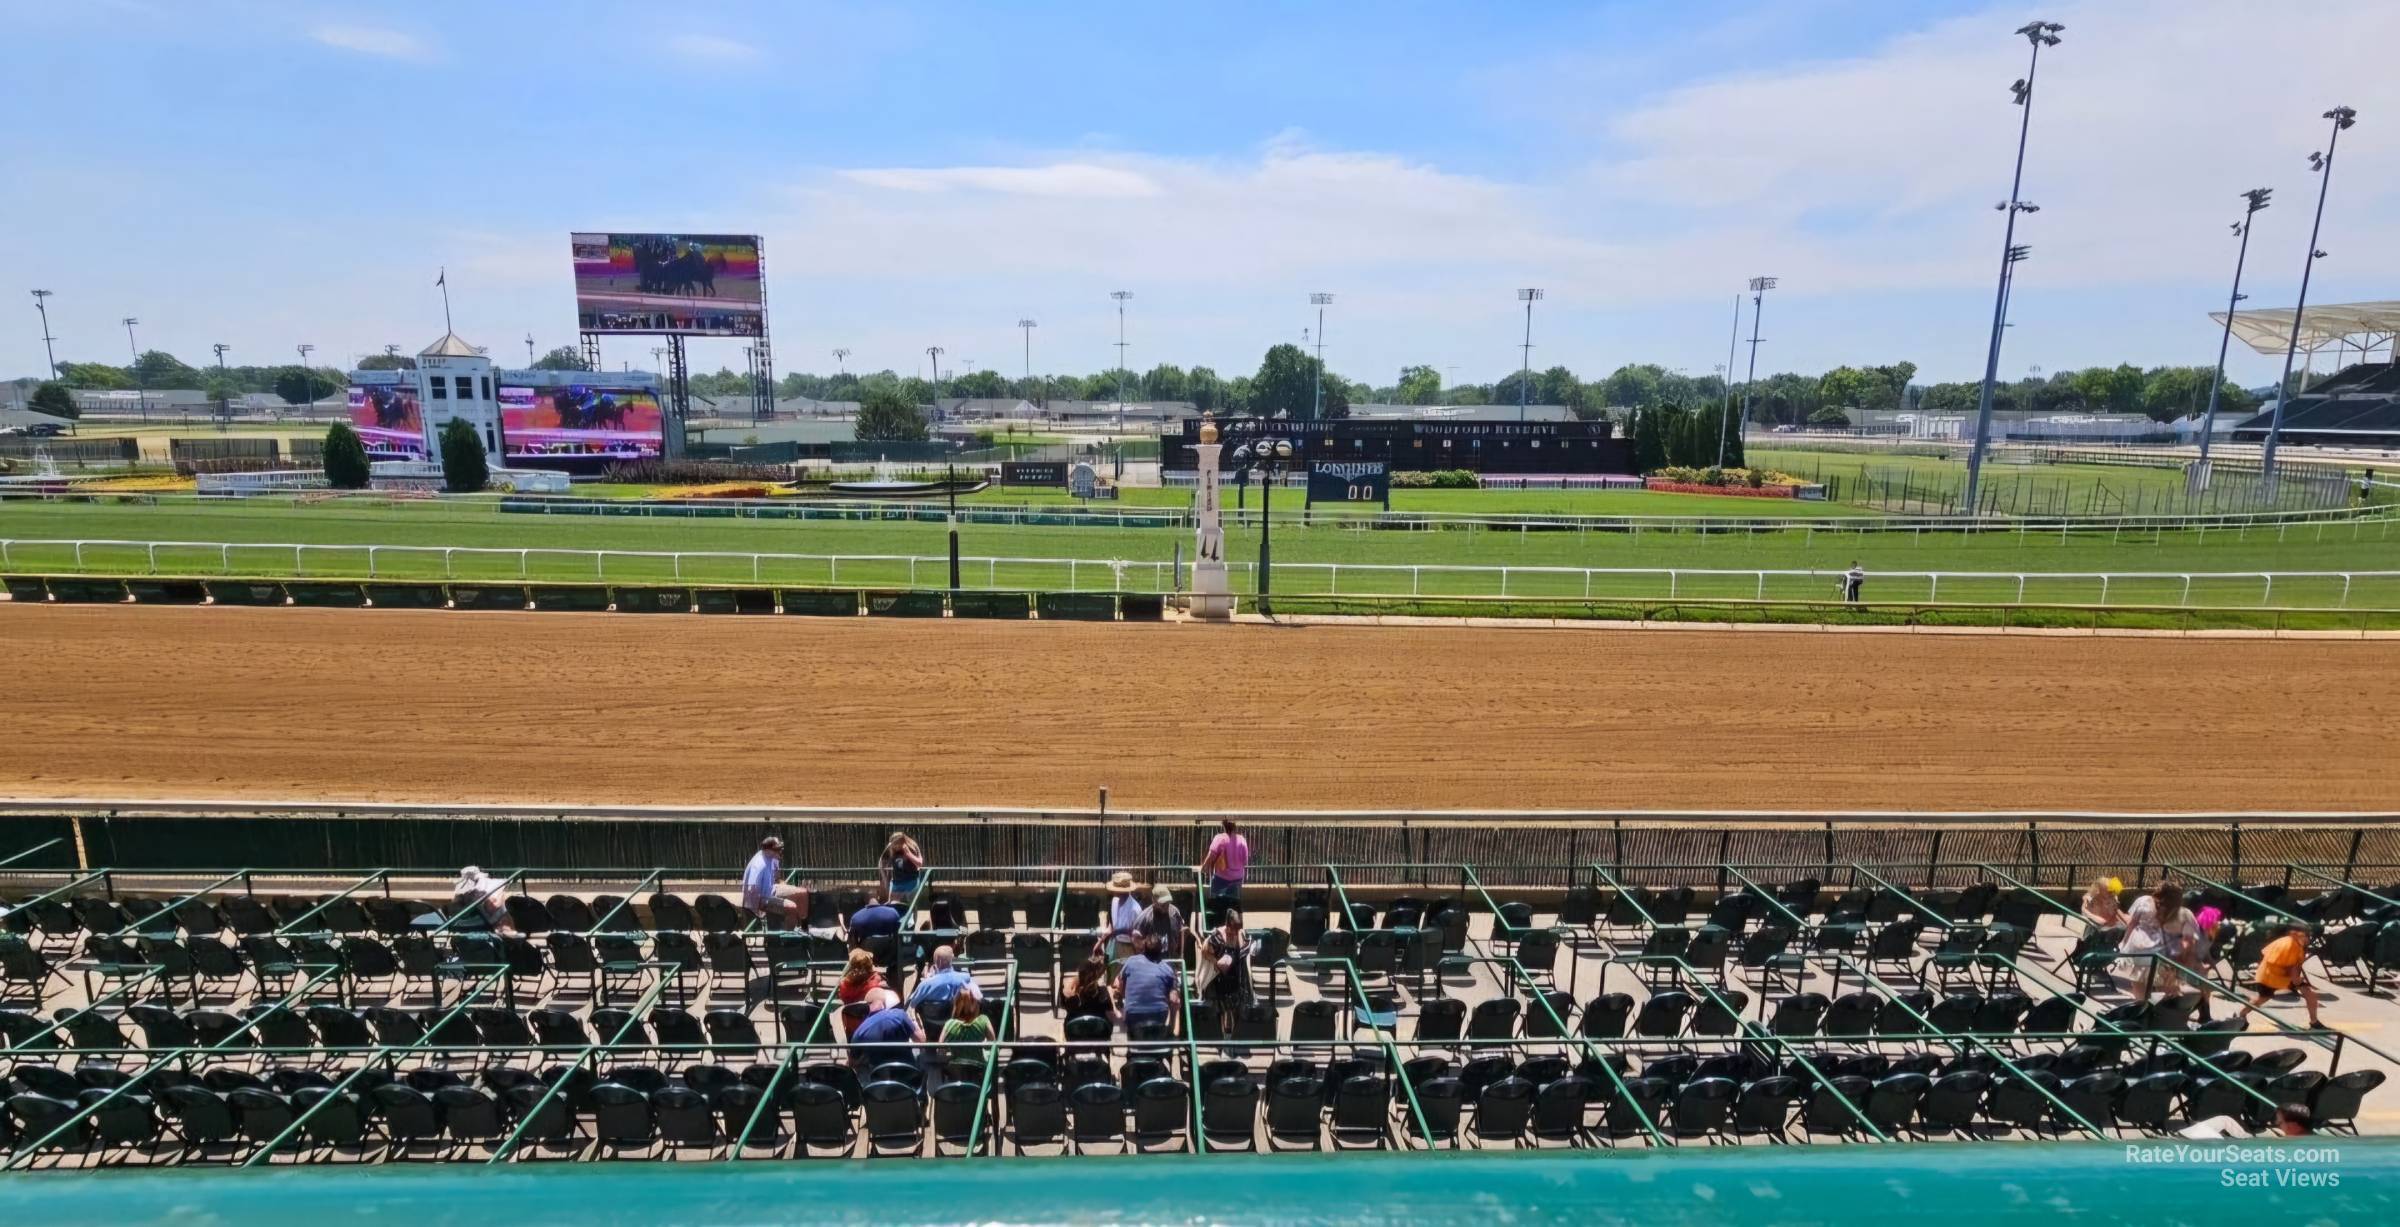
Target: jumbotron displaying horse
666, 266
581, 408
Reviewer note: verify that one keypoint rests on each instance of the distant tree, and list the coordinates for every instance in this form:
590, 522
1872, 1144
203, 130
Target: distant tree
1558, 386
563, 358
1468, 394
1632, 384
345, 458
1829, 415
2116, 389
1649, 443
1888, 385
465, 469
1419, 385
1167, 381
54, 399
93, 376
886, 415
1949, 398
1336, 398
391, 362
157, 368
1206, 390
1240, 392
979, 384
304, 385
1286, 384
1845, 387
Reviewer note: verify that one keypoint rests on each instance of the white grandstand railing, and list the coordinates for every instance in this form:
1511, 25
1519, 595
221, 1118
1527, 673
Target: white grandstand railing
540, 564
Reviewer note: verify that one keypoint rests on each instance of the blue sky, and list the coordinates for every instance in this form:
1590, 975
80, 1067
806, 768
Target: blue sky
268, 173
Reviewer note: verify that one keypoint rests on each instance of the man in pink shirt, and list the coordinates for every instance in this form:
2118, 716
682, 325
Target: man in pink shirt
1225, 865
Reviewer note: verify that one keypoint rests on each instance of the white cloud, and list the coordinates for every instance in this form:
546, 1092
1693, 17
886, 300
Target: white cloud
713, 49
373, 40
1061, 179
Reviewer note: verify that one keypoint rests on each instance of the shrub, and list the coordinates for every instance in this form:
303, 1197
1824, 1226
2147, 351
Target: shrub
465, 470
52, 398
345, 458
663, 472
1437, 479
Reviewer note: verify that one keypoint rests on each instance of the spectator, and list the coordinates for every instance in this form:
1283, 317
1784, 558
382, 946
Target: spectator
964, 1037
2100, 904
944, 984
2293, 1120
1124, 917
2279, 971
877, 919
1089, 995
1163, 921
885, 1036
764, 890
479, 890
1149, 989
1223, 972
862, 983
902, 866
2159, 925
1224, 866
1852, 580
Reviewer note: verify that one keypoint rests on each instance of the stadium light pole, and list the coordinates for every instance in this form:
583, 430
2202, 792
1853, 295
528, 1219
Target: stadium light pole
2342, 117
141, 384
1528, 296
2041, 34
1028, 325
840, 358
933, 357
41, 305
1316, 408
308, 386
1120, 296
1758, 303
2256, 199
224, 403
1726, 373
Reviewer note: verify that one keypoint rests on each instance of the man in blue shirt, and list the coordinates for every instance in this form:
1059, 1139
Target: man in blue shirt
884, 1036
878, 919
1149, 988
944, 983
765, 892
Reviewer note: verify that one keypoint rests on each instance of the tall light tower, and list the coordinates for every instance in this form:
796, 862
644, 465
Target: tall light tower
1525, 369
2255, 199
1028, 325
2041, 34
1120, 296
224, 403
1725, 373
308, 384
529, 358
141, 383
1316, 411
50, 371
1758, 303
2322, 163
841, 358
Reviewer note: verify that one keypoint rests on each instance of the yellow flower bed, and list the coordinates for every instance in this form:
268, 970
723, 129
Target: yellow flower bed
155, 483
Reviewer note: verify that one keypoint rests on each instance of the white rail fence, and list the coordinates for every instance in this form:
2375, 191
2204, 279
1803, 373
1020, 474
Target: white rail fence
2312, 589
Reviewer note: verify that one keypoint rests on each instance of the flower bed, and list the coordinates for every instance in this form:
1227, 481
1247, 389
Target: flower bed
1693, 487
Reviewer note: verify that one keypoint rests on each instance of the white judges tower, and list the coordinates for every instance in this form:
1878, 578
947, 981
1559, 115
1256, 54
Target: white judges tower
1212, 596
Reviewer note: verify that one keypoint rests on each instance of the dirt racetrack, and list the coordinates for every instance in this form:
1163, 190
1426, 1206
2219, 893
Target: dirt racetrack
424, 706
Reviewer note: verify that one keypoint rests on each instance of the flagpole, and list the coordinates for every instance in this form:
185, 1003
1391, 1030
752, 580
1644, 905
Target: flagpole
444, 282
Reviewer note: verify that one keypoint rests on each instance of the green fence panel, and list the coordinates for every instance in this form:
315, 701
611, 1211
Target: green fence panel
1076, 606
1143, 607
582, 598
818, 603
487, 596
734, 600
1004, 605
407, 596
654, 600
167, 591
26, 588
88, 591
904, 604
245, 592
327, 596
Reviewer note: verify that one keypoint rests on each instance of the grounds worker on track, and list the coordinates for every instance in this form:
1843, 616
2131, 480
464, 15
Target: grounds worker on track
1852, 580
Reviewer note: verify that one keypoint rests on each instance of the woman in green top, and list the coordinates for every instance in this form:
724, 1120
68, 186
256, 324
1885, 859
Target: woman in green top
963, 1037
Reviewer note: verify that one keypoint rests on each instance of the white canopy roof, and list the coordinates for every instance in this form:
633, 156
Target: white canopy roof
2363, 324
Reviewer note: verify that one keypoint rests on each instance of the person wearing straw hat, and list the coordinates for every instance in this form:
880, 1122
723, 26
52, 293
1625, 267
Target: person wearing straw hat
1117, 932
484, 893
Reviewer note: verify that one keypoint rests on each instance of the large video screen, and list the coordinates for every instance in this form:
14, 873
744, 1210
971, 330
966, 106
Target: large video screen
581, 421
385, 416
697, 284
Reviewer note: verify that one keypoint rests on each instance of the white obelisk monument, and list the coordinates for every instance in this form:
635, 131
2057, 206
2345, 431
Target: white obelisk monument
1212, 595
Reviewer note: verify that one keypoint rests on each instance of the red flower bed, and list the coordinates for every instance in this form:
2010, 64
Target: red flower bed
1693, 487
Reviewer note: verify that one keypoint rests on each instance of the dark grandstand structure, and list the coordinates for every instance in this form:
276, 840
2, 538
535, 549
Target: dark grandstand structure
2359, 406
1420, 445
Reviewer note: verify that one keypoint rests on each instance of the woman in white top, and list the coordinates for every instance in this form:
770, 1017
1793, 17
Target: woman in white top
2159, 924
486, 895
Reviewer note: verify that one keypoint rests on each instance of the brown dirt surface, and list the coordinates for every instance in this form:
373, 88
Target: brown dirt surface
367, 705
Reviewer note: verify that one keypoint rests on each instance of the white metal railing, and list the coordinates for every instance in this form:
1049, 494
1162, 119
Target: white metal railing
537, 564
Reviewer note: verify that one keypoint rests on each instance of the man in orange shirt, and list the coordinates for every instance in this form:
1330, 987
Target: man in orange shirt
2279, 972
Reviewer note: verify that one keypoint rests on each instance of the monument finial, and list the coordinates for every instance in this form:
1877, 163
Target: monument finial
1208, 427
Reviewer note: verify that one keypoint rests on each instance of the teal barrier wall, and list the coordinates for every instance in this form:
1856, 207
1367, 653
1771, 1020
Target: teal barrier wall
1953, 1184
